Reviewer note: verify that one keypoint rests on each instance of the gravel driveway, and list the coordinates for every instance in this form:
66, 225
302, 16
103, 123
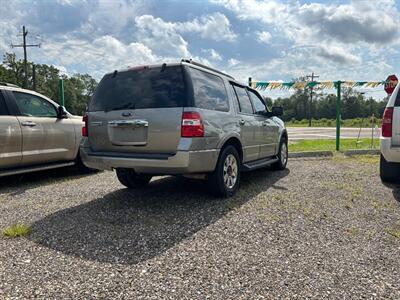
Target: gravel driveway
323, 228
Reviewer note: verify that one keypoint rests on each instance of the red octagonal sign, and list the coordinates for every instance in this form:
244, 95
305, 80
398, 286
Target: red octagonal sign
390, 84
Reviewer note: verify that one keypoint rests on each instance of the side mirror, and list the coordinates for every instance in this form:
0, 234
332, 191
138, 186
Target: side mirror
61, 112
277, 111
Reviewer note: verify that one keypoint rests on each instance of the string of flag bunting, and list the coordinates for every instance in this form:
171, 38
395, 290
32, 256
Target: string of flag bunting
259, 85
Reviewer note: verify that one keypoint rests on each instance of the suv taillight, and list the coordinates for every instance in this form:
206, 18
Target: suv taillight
85, 128
387, 122
192, 125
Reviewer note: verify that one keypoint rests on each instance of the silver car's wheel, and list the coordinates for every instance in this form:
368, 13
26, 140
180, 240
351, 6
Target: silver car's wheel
225, 179
284, 154
230, 171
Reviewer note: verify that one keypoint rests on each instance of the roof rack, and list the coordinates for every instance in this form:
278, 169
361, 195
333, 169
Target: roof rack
9, 84
205, 67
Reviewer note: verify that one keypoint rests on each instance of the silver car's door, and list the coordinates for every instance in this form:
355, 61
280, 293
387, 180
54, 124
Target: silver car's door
248, 123
46, 138
269, 130
10, 137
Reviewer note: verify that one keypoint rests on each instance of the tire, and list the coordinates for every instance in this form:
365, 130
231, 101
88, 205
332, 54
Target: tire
225, 180
282, 155
389, 172
132, 180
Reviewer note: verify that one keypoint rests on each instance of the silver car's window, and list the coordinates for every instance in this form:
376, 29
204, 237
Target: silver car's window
243, 99
159, 87
209, 91
3, 107
34, 106
259, 106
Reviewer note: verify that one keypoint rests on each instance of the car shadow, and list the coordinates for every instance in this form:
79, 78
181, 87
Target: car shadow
18, 184
395, 191
131, 226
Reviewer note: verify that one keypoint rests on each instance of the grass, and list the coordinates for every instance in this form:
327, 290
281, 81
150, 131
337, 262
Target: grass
355, 123
17, 230
345, 144
393, 232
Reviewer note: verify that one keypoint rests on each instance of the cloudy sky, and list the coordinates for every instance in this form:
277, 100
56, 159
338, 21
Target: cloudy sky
267, 40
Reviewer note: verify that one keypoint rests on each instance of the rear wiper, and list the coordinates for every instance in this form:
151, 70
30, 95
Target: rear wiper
124, 106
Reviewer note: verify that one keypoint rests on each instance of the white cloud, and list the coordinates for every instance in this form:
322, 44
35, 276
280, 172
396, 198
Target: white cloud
103, 55
215, 26
212, 54
161, 36
264, 37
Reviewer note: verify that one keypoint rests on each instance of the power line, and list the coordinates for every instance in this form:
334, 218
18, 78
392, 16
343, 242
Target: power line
25, 45
312, 76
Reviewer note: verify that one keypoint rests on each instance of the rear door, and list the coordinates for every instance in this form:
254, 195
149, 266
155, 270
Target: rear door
269, 130
138, 111
10, 137
45, 138
249, 132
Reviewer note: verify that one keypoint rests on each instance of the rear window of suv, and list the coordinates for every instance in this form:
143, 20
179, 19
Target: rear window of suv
209, 91
159, 87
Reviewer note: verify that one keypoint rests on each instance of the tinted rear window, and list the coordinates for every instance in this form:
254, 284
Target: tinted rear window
209, 91
136, 89
3, 106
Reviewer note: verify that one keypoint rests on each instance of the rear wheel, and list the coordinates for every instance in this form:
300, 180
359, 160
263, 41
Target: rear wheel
132, 180
389, 172
282, 155
225, 179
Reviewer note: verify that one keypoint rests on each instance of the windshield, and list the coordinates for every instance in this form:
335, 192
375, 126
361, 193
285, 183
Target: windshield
145, 88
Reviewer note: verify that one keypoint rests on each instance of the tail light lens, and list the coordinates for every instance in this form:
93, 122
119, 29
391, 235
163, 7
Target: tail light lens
387, 120
192, 125
85, 128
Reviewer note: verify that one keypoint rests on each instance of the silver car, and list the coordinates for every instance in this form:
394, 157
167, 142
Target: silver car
35, 132
181, 119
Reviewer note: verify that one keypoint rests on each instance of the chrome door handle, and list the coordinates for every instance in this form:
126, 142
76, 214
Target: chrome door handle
242, 122
28, 124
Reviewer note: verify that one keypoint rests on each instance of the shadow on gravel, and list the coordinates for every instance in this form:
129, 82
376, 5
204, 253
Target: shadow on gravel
131, 226
18, 184
396, 191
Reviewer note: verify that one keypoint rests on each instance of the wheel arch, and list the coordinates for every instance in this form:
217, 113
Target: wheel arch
235, 142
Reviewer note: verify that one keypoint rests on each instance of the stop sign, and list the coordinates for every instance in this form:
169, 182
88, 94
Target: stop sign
390, 84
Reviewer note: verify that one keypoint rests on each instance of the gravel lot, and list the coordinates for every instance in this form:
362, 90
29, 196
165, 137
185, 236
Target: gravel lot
324, 228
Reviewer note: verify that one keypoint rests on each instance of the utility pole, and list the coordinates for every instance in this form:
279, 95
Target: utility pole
312, 76
25, 45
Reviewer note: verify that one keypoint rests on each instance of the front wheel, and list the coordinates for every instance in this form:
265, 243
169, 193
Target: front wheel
282, 155
225, 179
131, 179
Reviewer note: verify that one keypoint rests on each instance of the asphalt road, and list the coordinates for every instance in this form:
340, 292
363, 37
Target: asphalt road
316, 133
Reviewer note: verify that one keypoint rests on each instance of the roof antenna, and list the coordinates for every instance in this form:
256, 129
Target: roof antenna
115, 73
164, 65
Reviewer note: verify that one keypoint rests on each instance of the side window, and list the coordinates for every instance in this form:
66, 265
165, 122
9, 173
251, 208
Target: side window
209, 91
34, 106
3, 106
259, 105
244, 100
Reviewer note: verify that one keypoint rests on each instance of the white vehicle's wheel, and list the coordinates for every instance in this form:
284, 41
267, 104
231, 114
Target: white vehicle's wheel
389, 172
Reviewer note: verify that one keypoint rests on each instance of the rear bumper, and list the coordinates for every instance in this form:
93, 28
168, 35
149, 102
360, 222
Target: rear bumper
390, 153
183, 162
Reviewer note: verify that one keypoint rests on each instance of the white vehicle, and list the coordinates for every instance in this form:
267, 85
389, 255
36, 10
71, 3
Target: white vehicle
390, 139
